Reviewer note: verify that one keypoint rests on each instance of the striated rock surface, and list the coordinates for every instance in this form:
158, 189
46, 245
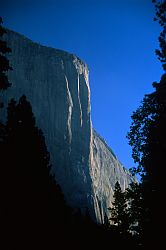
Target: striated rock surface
106, 171
56, 83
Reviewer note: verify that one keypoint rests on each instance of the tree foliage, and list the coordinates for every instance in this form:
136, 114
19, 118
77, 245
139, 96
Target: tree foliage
118, 211
160, 8
33, 212
147, 138
4, 62
4, 68
32, 201
136, 213
147, 133
142, 119
126, 211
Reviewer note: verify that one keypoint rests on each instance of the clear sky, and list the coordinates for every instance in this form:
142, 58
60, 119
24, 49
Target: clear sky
116, 38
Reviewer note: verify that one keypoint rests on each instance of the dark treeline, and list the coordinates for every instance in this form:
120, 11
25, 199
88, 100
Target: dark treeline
34, 214
147, 138
33, 211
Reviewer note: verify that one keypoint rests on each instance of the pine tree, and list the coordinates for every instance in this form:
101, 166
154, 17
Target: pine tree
160, 8
119, 216
147, 138
4, 62
34, 202
4, 68
106, 221
136, 213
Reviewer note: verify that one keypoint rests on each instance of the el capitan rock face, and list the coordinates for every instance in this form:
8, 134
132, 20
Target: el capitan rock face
56, 83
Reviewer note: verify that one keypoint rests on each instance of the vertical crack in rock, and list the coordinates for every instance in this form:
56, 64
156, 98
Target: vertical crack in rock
70, 103
86, 77
79, 101
82, 69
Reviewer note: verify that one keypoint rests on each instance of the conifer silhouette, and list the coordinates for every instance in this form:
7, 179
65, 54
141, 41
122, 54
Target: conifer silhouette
35, 203
4, 62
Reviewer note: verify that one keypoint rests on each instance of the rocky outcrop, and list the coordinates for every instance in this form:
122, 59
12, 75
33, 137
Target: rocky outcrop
56, 83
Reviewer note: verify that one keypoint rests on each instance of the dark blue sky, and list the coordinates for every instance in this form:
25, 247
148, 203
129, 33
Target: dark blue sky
116, 38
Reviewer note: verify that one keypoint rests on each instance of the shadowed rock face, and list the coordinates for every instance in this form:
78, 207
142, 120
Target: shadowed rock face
56, 83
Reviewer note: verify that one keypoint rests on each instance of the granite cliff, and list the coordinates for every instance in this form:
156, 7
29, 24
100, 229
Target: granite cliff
56, 83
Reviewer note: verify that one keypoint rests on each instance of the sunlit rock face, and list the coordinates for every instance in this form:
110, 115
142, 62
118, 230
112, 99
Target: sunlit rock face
56, 84
106, 171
